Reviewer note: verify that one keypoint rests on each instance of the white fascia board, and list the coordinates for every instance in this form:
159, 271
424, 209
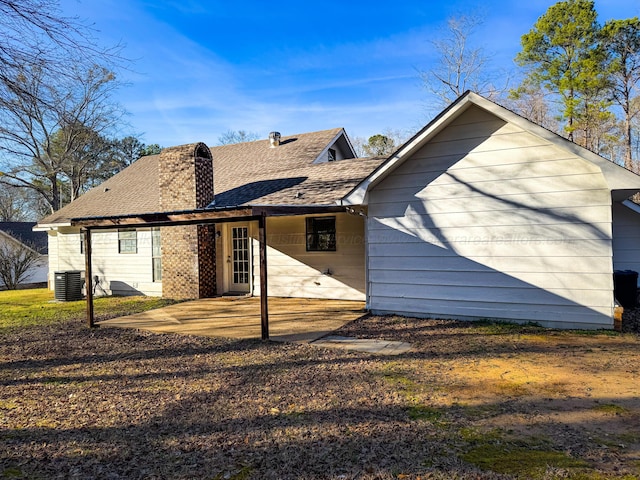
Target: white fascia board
45, 227
359, 195
618, 178
322, 155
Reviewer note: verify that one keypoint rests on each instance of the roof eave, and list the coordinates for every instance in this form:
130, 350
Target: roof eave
620, 180
44, 227
359, 194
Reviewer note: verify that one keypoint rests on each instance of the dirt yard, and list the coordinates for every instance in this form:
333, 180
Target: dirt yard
471, 401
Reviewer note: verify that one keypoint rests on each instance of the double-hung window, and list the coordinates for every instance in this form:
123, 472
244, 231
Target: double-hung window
127, 241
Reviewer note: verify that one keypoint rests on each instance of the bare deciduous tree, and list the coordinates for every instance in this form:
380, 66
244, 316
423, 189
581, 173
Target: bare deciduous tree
13, 205
16, 259
54, 81
531, 102
461, 65
46, 128
35, 32
120, 154
237, 136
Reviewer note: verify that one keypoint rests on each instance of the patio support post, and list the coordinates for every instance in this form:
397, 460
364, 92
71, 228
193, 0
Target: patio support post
88, 278
264, 307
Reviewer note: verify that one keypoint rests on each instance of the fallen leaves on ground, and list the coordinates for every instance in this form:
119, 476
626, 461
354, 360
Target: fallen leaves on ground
115, 404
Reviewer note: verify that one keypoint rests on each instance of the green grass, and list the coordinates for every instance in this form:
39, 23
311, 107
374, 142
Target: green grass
489, 326
521, 461
611, 408
12, 472
423, 412
36, 307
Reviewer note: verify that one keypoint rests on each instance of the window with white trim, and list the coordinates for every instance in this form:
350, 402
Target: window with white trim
128, 241
156, 254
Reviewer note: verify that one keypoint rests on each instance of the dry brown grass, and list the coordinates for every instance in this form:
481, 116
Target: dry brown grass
471, 401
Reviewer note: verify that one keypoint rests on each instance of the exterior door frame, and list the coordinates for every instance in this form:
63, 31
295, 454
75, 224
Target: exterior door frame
229, 285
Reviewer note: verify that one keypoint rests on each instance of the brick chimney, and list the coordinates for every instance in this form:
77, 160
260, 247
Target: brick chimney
185, 175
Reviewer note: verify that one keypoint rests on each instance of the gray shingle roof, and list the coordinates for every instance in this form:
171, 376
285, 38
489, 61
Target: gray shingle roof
133, 190
250, 173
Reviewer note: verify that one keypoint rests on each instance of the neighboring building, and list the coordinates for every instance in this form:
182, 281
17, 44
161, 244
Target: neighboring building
21, 234
482, 214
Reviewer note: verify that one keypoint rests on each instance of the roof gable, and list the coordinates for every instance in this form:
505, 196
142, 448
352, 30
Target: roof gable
294, 173
620, 180
23, 233
341, 146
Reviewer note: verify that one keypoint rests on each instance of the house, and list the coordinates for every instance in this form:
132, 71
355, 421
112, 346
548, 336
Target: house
315, 251
20, 235
482, 214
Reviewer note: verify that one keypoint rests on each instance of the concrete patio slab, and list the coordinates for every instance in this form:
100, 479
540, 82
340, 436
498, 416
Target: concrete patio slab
380, 347
290, 319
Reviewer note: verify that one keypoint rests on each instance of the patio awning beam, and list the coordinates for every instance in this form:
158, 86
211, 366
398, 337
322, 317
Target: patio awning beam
292, 210
195, 217
165, 219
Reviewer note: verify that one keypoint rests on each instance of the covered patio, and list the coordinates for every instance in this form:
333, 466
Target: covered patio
204, 217
290, 319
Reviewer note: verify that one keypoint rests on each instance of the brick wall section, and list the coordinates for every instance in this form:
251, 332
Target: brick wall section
188, 252
207, 260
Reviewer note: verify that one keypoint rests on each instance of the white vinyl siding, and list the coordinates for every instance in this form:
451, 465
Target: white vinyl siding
295, 272
135, 276
489, 221
52, 248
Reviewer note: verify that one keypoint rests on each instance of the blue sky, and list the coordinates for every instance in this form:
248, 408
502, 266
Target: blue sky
201, 68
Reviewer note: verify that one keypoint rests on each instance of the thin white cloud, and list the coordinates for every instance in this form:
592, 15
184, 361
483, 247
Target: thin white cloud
184, 90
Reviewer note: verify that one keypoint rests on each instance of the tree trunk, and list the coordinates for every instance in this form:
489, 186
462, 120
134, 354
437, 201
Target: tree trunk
628, 159
54, 200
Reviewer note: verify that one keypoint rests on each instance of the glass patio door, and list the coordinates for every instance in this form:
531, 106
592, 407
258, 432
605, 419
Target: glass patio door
239, 259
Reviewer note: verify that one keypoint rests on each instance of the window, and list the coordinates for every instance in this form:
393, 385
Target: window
321, 234
127, 241
156, 254
81, 242
332, 155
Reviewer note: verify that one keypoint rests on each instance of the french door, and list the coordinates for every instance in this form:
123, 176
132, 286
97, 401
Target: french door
239, 258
